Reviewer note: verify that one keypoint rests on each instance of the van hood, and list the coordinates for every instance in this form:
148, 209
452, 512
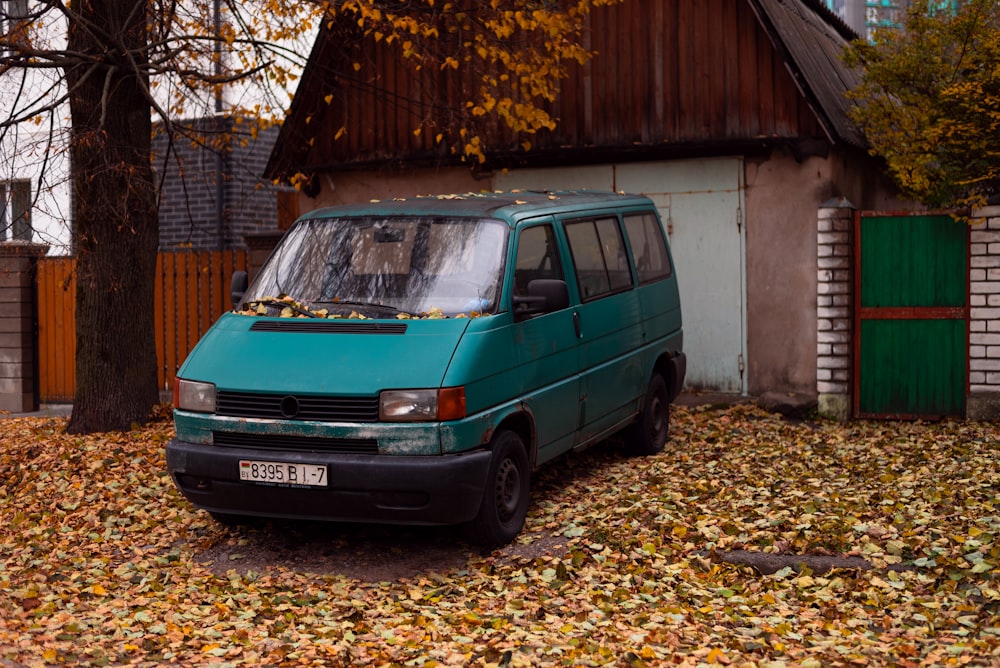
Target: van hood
316, 356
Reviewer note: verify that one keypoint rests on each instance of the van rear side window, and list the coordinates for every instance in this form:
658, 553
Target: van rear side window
648, 248
599, 255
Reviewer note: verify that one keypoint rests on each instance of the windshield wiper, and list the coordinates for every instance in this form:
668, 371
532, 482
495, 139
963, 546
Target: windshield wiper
277, 303
342, 302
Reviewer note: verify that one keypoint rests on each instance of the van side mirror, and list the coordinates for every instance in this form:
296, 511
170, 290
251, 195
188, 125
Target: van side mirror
239, 287
545, 295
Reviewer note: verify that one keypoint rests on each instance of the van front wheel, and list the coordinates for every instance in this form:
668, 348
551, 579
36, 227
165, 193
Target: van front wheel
649, 433
507, 494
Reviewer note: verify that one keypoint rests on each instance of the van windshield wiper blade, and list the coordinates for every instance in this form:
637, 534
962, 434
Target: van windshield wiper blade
277, 303
343, 302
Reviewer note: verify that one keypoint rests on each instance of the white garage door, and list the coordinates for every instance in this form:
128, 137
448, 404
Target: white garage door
701, 203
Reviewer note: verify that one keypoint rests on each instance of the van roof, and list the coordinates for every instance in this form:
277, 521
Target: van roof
511, 205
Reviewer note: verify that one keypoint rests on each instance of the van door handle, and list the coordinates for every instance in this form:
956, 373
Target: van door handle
576, 324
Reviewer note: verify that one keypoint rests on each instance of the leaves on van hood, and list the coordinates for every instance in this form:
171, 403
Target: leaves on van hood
288, 307
623, 561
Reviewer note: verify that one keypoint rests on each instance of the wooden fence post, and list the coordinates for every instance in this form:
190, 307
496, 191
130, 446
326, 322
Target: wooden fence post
19, 326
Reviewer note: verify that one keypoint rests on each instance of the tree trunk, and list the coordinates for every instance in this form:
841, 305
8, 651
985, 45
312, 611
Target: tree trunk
116, 226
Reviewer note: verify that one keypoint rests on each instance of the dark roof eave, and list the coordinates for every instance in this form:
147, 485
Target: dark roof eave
588, 155
809, 53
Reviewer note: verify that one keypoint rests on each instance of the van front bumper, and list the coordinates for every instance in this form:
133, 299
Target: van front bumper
404, 489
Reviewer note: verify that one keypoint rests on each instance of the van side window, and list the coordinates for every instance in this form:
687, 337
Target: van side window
648, 247
537, 257
599, 255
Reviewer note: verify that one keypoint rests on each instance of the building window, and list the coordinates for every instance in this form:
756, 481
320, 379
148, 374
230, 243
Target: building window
15, 210
13, 24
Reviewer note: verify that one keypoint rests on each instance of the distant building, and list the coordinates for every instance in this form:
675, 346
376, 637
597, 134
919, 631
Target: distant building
207, 202
865, 16
213, 192
209, 199
15, 210
35, 193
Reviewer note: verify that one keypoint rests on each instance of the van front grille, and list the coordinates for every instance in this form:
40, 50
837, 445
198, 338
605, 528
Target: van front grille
294, 407
350, 446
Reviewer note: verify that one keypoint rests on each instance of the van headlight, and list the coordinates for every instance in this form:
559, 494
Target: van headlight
446, 403
190, 395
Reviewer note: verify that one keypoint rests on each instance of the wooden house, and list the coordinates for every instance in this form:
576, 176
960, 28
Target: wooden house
730, 114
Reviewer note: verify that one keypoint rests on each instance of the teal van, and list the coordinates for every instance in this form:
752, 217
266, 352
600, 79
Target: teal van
414, 361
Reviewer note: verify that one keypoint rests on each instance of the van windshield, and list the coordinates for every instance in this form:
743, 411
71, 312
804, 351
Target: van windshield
377, 267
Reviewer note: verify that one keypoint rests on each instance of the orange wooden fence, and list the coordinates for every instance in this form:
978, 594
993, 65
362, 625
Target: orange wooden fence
192, 291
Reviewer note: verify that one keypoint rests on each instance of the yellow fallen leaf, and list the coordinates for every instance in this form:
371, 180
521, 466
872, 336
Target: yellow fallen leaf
717, 656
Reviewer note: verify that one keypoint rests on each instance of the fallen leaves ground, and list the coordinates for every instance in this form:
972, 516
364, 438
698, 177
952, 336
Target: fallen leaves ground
102, 562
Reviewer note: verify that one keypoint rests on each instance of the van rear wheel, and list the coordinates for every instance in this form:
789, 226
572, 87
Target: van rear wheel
649, 433
507, 494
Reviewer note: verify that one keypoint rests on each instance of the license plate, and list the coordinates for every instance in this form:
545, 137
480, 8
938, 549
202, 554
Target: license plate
283, 473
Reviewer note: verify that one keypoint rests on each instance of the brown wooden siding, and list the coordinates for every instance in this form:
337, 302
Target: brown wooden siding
700, 71
667, 72
192, 291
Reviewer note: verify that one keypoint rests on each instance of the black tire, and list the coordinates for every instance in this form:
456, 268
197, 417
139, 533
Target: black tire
649, 433
507, 494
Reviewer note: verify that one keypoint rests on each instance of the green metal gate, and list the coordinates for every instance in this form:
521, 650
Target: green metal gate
911, 320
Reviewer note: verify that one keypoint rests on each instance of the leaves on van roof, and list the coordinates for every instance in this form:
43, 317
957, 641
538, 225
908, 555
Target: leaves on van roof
623, 561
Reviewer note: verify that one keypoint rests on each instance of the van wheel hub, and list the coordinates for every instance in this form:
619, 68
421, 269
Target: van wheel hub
508, 489
658, 419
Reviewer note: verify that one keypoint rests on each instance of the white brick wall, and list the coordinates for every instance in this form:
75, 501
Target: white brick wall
833, 301
984, 301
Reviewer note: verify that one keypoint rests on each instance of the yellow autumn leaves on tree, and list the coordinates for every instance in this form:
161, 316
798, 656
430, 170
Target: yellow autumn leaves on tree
929, 102
514, 53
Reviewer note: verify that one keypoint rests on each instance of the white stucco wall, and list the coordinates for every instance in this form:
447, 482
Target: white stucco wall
782, 196
363, 186
35, 151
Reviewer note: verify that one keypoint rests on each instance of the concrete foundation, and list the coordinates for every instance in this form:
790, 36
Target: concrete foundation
835, 406
982, 406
